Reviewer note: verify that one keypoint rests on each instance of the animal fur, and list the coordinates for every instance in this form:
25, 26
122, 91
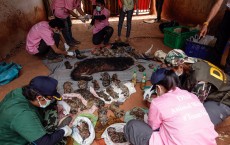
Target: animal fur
67, 86
86, 68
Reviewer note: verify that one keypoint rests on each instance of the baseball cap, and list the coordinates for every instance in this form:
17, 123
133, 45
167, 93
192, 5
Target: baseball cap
176, 57
157, 76
45, 86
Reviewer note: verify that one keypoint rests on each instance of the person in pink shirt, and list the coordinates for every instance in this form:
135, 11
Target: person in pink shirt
43, 38
62, 9
102, 32
176, 117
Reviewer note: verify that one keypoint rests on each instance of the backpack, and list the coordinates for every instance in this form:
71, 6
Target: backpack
8, 72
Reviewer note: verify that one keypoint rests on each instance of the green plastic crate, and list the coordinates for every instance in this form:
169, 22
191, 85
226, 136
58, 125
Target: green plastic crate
177, 40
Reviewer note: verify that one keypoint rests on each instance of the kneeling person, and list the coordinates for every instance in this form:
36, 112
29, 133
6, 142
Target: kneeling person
21, 117
44, 37
102, 32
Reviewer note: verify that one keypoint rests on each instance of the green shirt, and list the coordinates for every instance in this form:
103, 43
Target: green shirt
20, 121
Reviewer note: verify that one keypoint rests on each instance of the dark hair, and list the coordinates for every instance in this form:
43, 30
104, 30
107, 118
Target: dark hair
101, 2
29, 93
170, 81
57, 23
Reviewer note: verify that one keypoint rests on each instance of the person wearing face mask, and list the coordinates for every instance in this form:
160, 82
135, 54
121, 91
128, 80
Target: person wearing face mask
63, 9
21, 119
43, 39
207, 81
102, 32
172, 116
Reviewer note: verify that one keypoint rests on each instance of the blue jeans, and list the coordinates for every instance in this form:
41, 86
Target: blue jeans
67, 32
121, 20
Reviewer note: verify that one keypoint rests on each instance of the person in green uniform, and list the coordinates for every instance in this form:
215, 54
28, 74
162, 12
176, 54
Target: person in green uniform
21, 122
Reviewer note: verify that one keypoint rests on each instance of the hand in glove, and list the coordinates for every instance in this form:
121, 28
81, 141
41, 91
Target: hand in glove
87, 17
66, 47
71, 53
82, 18
67, 130
148, 93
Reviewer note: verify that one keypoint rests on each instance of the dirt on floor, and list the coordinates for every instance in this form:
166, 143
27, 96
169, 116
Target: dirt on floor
142, 37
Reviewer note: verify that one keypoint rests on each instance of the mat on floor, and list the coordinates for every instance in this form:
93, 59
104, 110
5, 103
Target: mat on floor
59, 71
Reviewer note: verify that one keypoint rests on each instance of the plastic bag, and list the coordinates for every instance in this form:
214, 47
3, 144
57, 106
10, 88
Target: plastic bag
77, 137
8, 72
119, 128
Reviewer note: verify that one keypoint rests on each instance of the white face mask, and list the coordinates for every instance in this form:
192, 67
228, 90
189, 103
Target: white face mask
178, 73
98, 8
47, 103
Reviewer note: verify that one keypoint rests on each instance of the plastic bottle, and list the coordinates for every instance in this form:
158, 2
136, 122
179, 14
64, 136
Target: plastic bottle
143, 81
134, 78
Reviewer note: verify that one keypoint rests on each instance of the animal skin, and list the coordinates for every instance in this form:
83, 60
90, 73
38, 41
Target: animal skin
103, 95
84, 130
67, 87
114, 107
102, 115
138, 113
96, 86
111, 92
82, 84
87, 67
116, 137
105, 79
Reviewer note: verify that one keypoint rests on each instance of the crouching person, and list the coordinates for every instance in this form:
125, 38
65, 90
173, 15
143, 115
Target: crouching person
175, 117
21, 119
102, 32
44, 37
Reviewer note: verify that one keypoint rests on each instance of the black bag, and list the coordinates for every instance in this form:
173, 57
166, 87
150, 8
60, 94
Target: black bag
167, 25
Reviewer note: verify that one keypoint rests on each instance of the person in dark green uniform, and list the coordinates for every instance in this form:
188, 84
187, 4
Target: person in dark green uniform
21, 122
204, 79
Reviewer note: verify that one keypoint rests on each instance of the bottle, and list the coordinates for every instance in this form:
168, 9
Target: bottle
134, 78
143, 81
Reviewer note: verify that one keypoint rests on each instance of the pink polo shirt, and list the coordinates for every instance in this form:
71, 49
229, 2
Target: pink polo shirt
100, 24
38, 32
182, 120
61, 7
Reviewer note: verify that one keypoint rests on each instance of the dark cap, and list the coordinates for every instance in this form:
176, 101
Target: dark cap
157, 76
46, 86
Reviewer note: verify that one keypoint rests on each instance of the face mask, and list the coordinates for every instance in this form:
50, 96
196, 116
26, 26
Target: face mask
178, 73
47, 103
57, 31
98, 8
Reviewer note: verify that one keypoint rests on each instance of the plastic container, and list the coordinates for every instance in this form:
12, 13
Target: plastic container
197, 50
143, 81
177, 40
134, 78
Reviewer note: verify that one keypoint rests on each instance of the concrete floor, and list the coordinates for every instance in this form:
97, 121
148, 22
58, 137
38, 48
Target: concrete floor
33, 66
